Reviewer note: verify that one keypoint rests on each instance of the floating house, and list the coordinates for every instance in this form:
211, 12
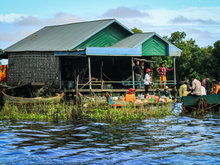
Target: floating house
96, 55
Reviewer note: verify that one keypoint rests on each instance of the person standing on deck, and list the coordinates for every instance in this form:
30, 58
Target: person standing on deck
138, 73
196, 87
147, 80
162, 74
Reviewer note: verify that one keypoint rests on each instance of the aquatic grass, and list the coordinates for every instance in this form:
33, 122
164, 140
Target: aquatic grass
127, 113
45, 112
92, 110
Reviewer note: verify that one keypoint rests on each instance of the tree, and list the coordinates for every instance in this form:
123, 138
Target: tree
177, 37
216, 59
136, 30
193, 60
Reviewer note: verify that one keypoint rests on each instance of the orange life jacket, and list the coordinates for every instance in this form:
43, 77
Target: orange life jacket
130, 97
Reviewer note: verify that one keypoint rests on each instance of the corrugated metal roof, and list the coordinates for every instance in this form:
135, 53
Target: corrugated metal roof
133, 40
61, 37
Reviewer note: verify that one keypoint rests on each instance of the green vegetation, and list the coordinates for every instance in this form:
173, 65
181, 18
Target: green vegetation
127, 113
66, 112
136, 30
194, 60
41, 112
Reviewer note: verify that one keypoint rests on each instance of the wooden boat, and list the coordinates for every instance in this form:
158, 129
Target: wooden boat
201, 103
121, 103
34, 100
33, 93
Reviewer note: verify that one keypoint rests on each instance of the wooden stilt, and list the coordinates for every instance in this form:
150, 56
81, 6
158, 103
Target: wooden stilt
101, 73
90, 77
174, 70
60, 74
132, 68
174, 66
78, 98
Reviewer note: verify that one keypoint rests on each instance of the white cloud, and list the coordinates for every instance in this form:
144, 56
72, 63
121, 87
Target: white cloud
63, 18
9, 18
201, 15
26, 32
183, 20
24, 20
28, 21
7, 37
201, 24
58, 18
17, 26
124, 12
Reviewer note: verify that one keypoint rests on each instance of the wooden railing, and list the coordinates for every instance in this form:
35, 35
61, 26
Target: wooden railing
104, 84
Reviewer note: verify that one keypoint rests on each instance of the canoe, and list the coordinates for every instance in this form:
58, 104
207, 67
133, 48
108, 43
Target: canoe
206, 102
34, 100
121, 103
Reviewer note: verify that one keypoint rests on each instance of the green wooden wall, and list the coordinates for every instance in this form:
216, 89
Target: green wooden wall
154, 47
107, 37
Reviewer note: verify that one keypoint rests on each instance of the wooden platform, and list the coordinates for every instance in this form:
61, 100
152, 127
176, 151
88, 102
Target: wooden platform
110, 90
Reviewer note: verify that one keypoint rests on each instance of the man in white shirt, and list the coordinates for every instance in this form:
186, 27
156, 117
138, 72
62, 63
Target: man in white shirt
147, 80
196, 87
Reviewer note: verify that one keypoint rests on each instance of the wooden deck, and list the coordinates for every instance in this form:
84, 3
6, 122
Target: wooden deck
110, 90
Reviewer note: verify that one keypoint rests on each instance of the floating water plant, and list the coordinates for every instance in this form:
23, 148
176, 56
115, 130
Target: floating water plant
67, 111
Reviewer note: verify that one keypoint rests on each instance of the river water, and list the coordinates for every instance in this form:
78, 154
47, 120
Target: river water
171, 140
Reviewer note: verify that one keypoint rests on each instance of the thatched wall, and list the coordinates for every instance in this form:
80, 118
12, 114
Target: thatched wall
27, 67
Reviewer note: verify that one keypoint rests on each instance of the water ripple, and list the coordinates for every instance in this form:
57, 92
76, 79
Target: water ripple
169, 140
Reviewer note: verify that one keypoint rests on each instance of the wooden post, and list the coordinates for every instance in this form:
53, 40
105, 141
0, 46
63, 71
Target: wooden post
101, 69
60, 74
174, 66
90, 77
101, 74
77, 84
78, 98
102, 84
132, 70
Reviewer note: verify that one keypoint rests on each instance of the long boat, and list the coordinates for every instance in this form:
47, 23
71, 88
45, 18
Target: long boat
145, 102
201, 103
34, 100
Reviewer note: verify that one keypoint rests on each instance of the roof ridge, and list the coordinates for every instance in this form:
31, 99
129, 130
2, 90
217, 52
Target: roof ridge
80, 22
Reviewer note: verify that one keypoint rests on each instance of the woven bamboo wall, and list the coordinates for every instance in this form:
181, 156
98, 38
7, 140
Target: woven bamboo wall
27, 67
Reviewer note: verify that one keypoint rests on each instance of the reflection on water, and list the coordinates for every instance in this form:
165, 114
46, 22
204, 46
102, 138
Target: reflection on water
171, 140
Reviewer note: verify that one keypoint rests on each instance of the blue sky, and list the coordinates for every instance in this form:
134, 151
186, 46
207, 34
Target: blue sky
198, 18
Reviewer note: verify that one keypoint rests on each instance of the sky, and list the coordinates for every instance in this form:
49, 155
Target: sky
199, 19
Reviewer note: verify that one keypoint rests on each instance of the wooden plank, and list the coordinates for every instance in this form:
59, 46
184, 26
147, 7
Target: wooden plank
144, 60
111, 90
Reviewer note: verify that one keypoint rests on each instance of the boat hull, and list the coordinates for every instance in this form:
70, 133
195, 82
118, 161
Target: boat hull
198, 103
35, 100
